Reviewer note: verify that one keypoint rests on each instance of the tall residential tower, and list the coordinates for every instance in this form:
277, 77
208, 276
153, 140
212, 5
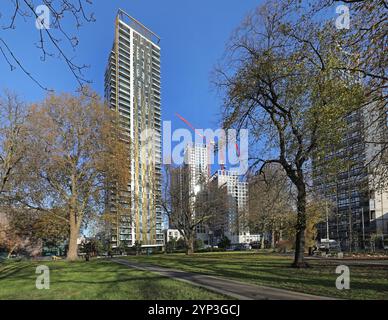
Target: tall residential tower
196, 158
359, 206
132, 89
197, 163
236, 226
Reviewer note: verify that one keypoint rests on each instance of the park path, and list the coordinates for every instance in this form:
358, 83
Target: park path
231, 288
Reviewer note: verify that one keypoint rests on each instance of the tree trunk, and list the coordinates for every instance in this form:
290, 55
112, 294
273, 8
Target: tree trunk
72, 253
11, 251
299, 261
190, 246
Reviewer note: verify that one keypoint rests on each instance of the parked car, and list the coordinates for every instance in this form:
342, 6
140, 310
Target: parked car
256, 245
242, 247
329, 246
207, 246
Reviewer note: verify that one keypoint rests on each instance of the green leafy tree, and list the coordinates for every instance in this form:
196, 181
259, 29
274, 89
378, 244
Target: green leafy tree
315, 214
224, 243
363, 47
279, 82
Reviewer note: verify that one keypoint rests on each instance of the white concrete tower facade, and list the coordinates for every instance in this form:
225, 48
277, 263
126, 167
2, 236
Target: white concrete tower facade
196, 158
237, 229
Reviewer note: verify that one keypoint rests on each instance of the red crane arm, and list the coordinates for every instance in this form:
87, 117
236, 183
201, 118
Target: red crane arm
189, 124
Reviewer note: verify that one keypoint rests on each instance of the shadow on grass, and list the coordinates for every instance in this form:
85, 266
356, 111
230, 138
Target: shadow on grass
12, 271
277, 272
116, 281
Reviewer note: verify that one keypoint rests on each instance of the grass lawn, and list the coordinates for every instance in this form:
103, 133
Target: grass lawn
366, 282
93, 280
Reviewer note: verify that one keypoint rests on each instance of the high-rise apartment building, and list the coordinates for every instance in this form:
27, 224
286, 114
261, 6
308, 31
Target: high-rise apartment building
236, 226
196, 158
196, 162
359, 209
133, 90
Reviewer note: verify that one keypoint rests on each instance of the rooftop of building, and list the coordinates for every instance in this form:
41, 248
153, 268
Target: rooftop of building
138, 26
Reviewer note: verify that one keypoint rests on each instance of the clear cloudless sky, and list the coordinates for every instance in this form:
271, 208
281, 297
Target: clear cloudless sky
193, 33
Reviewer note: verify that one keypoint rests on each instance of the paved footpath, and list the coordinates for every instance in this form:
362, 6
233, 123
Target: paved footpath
234, 289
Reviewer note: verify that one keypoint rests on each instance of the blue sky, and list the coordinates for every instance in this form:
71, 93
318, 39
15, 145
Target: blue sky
193, 35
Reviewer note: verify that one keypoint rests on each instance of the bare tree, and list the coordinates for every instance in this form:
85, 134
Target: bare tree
74, 151
270, 203
13, 134
178, 203
51, 41
188, 210
214, 203
279, 82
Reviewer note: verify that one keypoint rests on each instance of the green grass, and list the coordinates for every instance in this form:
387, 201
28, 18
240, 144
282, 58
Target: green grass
366, 282
93, 280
